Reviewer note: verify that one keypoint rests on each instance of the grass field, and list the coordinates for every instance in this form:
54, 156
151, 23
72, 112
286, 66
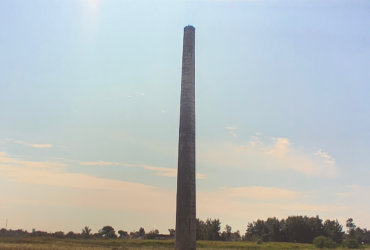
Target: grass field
43, 243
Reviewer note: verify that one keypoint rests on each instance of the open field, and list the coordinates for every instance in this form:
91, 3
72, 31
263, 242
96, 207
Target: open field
43, 243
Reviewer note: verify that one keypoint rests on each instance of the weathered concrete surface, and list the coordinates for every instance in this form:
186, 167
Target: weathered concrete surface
185, 209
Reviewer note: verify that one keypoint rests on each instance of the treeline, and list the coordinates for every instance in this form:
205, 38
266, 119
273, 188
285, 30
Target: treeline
210, 230
303, 229
107, 232
299, 229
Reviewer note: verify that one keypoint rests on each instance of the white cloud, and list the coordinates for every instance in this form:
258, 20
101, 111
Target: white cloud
139, 93
258, 133
35, 145
271, 153
163, 111
326, 156
231, 128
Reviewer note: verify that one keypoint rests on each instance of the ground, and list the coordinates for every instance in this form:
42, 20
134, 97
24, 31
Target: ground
43, 243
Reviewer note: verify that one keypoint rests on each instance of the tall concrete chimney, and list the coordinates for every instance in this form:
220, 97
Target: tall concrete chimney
185, 203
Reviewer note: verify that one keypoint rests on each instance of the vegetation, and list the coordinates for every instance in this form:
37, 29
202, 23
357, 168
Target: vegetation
294, 232
324, 242
47, 242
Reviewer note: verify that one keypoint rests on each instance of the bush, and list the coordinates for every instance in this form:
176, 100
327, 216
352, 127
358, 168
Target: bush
351, 243
59, 234
70, 234
259, 242
324, 242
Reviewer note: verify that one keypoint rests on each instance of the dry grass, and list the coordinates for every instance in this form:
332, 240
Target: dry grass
46, 243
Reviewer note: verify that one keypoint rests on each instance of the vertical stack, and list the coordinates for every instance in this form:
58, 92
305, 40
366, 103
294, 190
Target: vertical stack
185, 204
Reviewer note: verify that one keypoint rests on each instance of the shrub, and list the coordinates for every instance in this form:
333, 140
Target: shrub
324, 242
259, 242
70, 234
351, 243
59, 234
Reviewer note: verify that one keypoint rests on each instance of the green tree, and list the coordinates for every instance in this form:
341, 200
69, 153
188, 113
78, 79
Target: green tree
86, 232
213, 229
172, 232
152, 234
351, 227
257, 230
228, 232
108, 232
122, 234
334, 230
275, 229
302, 229
354, 232
226, 235
201, 229
141, 232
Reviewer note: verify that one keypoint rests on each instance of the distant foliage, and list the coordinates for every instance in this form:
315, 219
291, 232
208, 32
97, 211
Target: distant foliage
70, 234
59, 234
324, 242
152, 234
351, 243
141, 232
208, 230
86, 232
108, 232
300, 229
259, 242
172, 232
122, 234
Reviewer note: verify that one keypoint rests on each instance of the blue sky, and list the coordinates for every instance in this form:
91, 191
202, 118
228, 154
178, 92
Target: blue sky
89, 111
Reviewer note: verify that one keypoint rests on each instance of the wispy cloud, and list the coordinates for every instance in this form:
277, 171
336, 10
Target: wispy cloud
163, 111
86, 187
139, 93
160, 171
169, 172
260, 193
98, 163
35, 145
232, 131
6, 159
328, 158
230, 128
78, 190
